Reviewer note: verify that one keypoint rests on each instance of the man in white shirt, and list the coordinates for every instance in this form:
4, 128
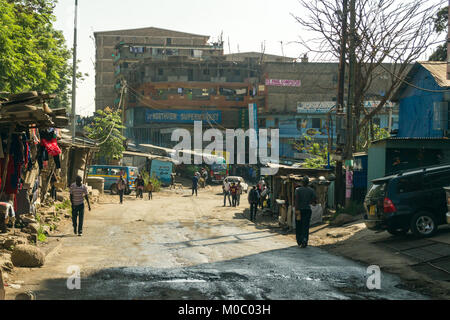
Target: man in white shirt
226, 193
78, 192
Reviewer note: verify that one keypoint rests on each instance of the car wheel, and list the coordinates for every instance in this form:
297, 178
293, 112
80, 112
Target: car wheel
398, 232
114, 189
423, 224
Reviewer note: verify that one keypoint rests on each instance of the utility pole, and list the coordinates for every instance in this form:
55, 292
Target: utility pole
339, 186
350, 100
74, 76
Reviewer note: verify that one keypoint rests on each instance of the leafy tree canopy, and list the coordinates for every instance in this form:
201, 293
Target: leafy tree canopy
106, 130
440, 26
33, 55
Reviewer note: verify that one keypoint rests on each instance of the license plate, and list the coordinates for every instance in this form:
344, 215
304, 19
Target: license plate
372, 210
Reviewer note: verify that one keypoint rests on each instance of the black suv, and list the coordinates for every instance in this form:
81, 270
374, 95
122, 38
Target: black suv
412, 200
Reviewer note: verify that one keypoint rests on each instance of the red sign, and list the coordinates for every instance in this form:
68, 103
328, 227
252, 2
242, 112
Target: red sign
283, 83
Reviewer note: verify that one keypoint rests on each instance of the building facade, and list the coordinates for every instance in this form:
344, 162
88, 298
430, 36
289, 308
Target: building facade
106, 50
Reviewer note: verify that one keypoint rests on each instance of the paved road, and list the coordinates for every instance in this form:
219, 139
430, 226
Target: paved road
182, 247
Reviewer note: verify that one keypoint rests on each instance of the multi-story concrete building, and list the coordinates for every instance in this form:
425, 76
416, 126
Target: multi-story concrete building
106, 49
172, 93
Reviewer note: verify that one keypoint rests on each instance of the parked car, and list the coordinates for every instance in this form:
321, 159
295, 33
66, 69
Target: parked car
112, 173
412, 200
233, 179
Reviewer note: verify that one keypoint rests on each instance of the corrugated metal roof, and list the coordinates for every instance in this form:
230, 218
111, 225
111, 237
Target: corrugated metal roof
411, 139
438, 70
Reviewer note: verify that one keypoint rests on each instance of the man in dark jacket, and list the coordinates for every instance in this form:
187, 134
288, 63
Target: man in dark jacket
253, 199
195, 185
304, 197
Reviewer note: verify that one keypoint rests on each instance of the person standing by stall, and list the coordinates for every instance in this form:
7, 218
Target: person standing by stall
253, 199
233, 190
304, 197
78, 192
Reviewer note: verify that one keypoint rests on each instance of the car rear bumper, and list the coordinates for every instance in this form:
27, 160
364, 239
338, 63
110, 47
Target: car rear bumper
375, 225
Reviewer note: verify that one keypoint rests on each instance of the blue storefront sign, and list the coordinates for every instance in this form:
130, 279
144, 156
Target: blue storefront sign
162, 170
183, 116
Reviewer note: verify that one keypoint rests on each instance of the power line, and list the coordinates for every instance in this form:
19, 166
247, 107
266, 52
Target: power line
412, 85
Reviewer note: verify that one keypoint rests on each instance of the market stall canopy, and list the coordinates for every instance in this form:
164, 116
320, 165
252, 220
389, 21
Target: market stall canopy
30, 109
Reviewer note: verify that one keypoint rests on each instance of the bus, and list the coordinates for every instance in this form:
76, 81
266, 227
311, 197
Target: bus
219, 170
112, 173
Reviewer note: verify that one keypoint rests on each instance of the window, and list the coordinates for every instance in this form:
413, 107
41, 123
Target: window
125, 65
237, 72
277, 122
316, 123
102, 171
206, 72
169, 41
221, 72
437, 180
160, 72
410, 184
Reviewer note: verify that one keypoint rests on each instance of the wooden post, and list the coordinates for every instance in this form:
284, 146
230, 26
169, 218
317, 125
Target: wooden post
2, 287
5, 167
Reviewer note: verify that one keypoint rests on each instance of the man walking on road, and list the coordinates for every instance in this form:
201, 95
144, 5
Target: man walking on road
78, 192
226, 193
233, 190
140, 183
253, 199
121, 185
195, 185
239, 192
304, 197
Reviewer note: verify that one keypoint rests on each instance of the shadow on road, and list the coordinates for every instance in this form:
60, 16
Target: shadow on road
282, 274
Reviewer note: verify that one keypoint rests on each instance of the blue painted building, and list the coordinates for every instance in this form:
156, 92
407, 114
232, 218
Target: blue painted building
423, 134
423, 104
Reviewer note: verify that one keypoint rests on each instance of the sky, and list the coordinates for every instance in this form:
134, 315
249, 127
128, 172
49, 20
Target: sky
245, 24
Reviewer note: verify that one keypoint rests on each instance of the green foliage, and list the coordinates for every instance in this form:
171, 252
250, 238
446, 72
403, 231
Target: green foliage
63, 205
106, 129
33, 55
441, 20
318, 151
155, 182
440, 26
440, 54
365, 140
41, 235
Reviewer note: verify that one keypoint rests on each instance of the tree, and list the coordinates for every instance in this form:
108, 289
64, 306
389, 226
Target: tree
440, 26
387, 31
106, 129
368, 135
33, 55
318, 152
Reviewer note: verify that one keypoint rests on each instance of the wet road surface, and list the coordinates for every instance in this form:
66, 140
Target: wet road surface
182, 247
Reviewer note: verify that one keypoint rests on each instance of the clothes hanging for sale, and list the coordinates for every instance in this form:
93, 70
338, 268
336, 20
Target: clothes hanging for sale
51, 146
23, 202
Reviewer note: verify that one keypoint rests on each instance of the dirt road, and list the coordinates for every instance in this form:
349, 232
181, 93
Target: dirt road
182, 247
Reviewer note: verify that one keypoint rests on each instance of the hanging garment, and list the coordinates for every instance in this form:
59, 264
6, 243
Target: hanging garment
51, 146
